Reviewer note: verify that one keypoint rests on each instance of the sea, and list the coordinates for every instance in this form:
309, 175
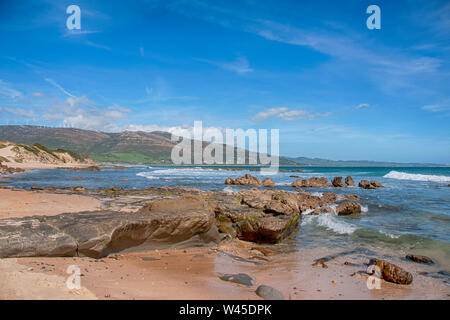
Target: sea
410, 214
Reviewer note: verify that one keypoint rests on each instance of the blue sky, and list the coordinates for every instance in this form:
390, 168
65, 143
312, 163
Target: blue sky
312, 69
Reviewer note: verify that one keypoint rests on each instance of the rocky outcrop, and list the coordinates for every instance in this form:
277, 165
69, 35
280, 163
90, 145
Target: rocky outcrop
268, 229
180, 222
279, 202
349, 181
370, 184
338, 183
419, 259
392, 273
30, 237
4, 169
350, 197
311, 183
249, 180
347, 208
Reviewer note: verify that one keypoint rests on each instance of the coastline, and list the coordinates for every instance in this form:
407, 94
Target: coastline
153, 274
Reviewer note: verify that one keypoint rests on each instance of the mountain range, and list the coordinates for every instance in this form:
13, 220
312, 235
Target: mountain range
139, 147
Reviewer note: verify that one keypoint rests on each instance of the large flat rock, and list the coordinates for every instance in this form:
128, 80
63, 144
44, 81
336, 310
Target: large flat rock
99, 233
28, 237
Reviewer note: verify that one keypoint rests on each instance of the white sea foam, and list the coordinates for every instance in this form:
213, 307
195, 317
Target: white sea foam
229, 189
147, 175
308, 211
416, 177
364, 209
331, 222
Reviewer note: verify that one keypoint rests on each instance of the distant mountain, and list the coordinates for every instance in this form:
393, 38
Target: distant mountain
304, 161
127, 146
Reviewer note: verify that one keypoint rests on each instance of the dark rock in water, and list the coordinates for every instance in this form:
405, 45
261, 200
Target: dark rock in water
240, 278
329, 196
180, 222
419, 259
29, 237
249, 180
338, 183
320, 263
269, 293
267, 229
311, 183
392, 273
369, 184
349, 181
351, 196
347, 208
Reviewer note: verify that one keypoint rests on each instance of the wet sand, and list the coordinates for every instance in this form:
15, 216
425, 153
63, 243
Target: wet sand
194, 274
21, 203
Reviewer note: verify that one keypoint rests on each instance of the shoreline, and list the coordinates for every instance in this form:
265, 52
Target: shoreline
153, 274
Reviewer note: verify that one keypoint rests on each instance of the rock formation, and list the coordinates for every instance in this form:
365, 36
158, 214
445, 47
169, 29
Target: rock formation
249, 180
370, 184
311, 183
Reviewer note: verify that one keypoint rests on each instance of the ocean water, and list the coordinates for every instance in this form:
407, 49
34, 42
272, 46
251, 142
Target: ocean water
410, 214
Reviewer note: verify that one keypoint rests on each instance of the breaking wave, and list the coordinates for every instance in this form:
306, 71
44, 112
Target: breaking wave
331, 222
416, 177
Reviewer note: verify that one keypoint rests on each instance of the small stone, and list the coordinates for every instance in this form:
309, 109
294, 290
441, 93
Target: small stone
269, 293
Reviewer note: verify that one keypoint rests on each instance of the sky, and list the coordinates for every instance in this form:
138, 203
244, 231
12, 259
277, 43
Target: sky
312, 69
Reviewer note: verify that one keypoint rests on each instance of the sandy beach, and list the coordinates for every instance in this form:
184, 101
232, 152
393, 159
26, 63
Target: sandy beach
192, 273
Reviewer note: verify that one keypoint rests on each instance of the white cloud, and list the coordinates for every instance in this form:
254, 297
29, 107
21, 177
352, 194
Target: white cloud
55, 84
80, 112
268, 113
240, 65
439, 107
19, 112
286, 114
362, 105
8, 92
181, 131
38, 94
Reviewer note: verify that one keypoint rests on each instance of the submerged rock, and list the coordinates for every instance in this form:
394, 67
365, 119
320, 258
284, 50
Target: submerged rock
311, 183
392, 273
269, 293
419, 259
347, 208
249, 180
370, 184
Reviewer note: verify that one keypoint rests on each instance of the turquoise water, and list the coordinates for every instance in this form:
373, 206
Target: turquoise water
411, 214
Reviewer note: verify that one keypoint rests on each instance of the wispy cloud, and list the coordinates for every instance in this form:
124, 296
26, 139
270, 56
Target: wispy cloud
240, 65
7, 91
80, 112
55, 84
19, 112
362, 105
438, 107
263, 115
284, 113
